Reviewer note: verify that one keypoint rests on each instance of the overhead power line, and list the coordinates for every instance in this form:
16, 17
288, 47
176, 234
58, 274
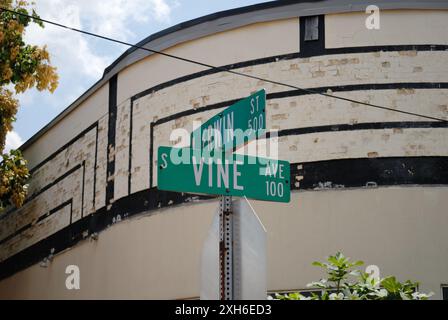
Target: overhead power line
221, 69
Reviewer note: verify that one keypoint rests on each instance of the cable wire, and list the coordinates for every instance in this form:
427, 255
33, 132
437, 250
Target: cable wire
221, 69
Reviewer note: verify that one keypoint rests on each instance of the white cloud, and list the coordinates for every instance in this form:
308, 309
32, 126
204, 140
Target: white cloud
161, 10
113, 17
13, 141
81, 59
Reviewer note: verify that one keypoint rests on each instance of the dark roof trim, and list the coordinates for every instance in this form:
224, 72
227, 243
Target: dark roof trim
231, 19
203, 19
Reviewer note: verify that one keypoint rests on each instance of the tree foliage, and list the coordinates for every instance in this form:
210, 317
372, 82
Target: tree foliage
363, 286
14, 175
22, 67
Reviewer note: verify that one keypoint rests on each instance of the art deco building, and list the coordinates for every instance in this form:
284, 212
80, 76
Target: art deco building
367, 181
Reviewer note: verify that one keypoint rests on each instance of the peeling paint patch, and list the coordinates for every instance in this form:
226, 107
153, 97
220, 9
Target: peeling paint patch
417, 69
405, 91
281, 116
318, 74
344, 61
410, 53
444, 108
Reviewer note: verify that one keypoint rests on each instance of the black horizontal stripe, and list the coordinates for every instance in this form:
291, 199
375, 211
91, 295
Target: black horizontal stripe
383, 48
371, 172
359, 87
363, 126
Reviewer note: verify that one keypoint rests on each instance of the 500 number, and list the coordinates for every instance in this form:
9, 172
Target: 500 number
256, 123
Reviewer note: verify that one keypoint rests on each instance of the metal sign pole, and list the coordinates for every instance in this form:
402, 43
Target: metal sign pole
226, 248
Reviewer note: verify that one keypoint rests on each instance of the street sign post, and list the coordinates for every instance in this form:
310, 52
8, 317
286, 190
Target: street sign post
241, 122
187, 170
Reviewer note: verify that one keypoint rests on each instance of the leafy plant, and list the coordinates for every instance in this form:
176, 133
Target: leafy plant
13, 178
22, 67
364, 286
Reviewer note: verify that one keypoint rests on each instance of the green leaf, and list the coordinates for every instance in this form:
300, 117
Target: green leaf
391, 284
358, 263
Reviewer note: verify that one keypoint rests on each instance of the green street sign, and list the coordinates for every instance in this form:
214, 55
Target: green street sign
241, 122
187, 170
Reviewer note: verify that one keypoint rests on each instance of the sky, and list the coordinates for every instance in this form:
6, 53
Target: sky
81, 60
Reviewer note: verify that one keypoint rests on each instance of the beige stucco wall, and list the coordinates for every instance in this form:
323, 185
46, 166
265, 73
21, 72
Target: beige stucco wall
242, 44
402, 230
92, 109
396, 27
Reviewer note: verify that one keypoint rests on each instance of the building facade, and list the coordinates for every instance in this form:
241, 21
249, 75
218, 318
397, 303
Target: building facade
370, 182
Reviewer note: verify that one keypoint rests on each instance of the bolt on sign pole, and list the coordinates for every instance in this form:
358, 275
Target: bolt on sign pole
226, 248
